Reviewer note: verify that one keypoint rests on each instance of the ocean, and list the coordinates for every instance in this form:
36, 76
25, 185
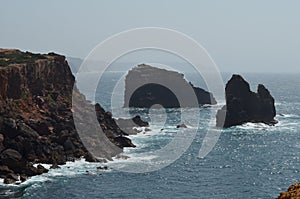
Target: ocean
248, 161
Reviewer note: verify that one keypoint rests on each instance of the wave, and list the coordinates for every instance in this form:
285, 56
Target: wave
78, 167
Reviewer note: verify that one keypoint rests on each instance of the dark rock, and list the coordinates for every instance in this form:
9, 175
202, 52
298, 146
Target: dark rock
23, 178
68, 145
122, 141
138, 120
90, 158
11, 178
102, 168
127, 125
1, 138
42, 169
4, 170
146, 86
54, 166
243, 105
27, 131
10, 127
181, 126
36, 115
10, 156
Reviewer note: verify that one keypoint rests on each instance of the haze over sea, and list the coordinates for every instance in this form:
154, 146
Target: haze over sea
248, 161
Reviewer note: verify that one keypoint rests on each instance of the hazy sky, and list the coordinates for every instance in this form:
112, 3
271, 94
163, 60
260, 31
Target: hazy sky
240, 36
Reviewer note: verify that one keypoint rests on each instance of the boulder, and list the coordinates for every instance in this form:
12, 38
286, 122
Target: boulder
11, 178
123, 141
181, 126
128, 125
54, 166
243, 105
10, 157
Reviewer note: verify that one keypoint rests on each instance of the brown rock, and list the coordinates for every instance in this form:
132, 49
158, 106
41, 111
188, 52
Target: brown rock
293, 192
1, 138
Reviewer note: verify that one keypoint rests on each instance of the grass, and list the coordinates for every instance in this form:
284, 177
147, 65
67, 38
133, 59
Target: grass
18, 57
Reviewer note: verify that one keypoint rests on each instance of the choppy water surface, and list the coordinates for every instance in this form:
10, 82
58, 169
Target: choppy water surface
248, 161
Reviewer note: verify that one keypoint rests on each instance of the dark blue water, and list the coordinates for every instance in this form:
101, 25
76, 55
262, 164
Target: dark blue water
249, 161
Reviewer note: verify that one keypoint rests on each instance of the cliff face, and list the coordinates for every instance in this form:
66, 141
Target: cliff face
146, 85
243, 105
36, 120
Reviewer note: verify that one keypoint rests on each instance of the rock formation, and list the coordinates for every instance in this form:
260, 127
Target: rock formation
293, 192
146, 85
36, 120
243, 105
128, 125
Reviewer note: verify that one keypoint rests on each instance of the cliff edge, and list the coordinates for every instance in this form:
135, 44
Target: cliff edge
36, 120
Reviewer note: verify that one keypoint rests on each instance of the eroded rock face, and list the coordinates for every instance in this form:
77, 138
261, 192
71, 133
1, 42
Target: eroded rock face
243, 105
36, 120
293, 192
146, 86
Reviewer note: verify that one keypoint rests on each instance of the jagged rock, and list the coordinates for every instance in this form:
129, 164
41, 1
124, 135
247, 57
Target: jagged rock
42, 169
146, 86
102, 168
122, 141
23, 178
138, 120
128, 125
243, 105
181, 126
36, 115
11, 178
54, 166
10, 158
4, 170
293, 192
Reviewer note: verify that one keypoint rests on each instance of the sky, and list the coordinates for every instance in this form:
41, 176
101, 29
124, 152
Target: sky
240, 36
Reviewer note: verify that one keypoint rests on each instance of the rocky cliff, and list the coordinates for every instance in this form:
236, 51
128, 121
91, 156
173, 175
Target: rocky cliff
146, 85
293, 192
36, 120
243, 105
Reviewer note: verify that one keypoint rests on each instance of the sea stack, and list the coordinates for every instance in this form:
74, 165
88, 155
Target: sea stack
146, 86
243, 105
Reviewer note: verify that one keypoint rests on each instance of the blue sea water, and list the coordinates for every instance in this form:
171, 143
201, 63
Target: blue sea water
248, 161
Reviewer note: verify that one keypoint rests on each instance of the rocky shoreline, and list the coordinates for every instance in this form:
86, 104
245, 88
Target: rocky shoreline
36, 120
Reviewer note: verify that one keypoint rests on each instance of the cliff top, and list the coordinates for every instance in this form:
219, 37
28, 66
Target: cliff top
14, 56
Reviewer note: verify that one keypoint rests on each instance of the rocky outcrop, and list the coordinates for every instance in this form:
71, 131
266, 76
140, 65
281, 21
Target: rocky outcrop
293, 192
146, 86
36, 120
243, 105
129, 125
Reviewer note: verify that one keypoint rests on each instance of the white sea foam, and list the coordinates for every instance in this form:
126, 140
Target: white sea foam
77, 167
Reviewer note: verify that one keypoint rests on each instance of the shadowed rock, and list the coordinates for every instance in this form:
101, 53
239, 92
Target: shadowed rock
146, 86
36, 116
243, 105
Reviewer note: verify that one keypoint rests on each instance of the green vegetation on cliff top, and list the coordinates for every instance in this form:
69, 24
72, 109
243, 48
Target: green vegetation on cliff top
8, 57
